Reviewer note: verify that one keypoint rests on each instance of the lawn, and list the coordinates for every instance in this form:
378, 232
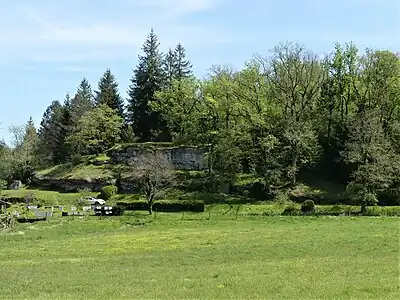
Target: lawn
48, 197
165, 257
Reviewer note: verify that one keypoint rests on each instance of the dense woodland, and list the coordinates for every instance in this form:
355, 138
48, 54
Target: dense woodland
336, 116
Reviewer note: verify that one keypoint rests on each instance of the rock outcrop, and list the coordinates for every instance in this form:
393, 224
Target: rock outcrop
182, 158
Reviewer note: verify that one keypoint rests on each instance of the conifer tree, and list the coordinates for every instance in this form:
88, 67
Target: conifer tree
176, 66
53, 130
148, 78
108, 93
49, 132
82, 101
182, 66
169, 67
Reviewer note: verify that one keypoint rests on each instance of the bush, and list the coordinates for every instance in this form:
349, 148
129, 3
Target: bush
282, 197
291, 210
359, 195
133, 205
3, 185
258, 190
164, 206
76, 159
108, 191
180, 205
389, 197
307, 207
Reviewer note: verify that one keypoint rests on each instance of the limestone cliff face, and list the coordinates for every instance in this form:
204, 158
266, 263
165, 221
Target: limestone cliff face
182, 158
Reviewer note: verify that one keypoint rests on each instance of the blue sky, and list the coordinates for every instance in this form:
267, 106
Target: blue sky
48, 46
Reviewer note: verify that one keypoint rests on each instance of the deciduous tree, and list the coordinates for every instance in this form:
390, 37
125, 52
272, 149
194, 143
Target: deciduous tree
97, 130
153, 173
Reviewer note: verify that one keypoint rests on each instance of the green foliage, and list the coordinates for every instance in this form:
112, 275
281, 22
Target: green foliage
76, 159
360, 195
3, 185
148, 78
308, 206
178, 107
179, 205
274, 119
82, 101
53, 131
97, 130
291, 210
108, 93
108, 191
164, 205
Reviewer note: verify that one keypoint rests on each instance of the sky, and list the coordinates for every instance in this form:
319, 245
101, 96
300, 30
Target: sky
48, 46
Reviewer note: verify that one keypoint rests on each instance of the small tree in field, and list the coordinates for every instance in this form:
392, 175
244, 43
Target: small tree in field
153, 173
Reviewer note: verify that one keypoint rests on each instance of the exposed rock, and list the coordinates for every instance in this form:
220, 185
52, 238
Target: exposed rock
183, 158
71, 185
15, 185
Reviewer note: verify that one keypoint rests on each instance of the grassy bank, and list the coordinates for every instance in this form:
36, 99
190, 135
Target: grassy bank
167, 258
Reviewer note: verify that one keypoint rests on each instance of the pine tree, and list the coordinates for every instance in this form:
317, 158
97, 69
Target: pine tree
67, 124
108, 93
82, 101
48, 132
51, 134
182, 67
30, 132
148, 78
176, 66
169, 67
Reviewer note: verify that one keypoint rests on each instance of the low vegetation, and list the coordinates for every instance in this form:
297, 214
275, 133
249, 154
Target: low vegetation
142, 257
310, 143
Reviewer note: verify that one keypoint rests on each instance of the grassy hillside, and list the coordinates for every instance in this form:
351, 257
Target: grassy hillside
91, 167
167, 258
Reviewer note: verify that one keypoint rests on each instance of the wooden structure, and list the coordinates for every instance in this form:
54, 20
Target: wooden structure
3, 206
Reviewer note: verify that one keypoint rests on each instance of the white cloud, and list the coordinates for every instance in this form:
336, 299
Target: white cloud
47, 34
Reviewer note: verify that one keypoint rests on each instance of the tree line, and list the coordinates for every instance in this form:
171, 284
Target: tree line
336, 115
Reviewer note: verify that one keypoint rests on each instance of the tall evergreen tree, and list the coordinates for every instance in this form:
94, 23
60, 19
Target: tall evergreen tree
108, 93
176, 66
50, 134
82, 101
148, 78
182, 66
169, 67
67, 124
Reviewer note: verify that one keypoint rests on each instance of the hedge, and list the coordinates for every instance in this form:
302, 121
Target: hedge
132, 205
179, 205
165, 205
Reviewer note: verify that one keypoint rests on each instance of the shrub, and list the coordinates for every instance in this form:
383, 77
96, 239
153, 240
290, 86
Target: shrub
389, 197
165, 205
282, 197
76, 159
307, 207
291, 210
180, 205
3, 185
359, 195
132, 205
108, 191
258, 190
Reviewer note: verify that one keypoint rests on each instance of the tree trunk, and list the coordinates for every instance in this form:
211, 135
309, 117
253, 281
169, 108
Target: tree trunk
210, 160
150, 203
294, 167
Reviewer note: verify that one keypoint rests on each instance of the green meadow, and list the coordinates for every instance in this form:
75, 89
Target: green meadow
193, 256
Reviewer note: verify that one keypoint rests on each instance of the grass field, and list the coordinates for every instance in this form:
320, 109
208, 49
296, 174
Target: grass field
165, 257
